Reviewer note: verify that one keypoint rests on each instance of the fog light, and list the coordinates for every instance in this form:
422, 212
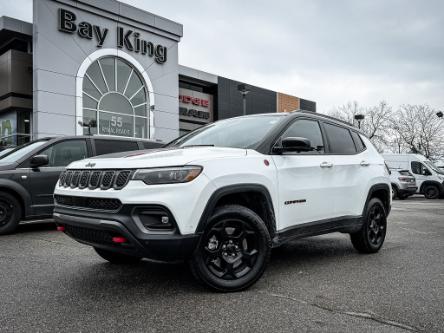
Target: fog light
60, 228
165, 220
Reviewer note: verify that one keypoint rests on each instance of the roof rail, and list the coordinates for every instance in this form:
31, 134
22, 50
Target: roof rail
325, 116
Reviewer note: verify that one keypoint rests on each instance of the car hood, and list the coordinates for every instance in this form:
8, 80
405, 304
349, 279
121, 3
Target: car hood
7, 166
156, 158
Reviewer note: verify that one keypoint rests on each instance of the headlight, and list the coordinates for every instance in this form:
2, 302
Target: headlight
170, 175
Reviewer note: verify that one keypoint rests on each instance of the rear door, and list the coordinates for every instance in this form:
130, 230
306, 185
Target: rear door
349, 171
304, 178
42, 180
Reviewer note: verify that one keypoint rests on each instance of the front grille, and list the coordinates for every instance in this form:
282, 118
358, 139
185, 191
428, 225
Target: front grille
90, 235
84, 178
107, 204
93, 179
75, 179
107, 179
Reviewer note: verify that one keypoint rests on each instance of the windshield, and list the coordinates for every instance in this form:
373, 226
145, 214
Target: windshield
5, 151
433, 167
21, 151
242, 132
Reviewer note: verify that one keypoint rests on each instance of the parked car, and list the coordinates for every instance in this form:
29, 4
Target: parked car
28, 174
223, 195
429, 178
403, 184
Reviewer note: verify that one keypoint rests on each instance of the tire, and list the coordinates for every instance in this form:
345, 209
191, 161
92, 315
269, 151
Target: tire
395, 194
10, 213
117, 258
372, 234
233, 250
431, 192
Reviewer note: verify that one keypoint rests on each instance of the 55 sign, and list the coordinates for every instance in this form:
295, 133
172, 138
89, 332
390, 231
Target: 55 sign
112, 124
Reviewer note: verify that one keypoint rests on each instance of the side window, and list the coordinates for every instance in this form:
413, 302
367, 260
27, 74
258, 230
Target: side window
419, 169
65, 152
308, 129
339, 139
360, 146
114, 146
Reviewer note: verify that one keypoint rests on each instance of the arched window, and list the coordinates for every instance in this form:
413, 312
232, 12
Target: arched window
116, 97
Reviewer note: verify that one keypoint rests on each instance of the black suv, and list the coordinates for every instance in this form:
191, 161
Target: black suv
29, 173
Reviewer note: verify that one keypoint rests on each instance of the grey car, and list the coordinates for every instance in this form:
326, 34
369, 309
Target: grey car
28, 173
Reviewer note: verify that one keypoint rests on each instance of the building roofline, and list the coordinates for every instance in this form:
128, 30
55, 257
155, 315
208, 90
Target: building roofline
15, 25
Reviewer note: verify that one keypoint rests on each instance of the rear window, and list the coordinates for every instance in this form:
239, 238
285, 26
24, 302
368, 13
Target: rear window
360, 146
114, 146
151, 145
339, 139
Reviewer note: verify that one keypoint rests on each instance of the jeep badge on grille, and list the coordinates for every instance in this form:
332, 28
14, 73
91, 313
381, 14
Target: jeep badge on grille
90, 165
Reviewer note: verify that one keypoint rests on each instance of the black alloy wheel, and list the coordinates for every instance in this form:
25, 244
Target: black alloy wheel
372, 234
431, 192
10, 213
395, 194
233, 251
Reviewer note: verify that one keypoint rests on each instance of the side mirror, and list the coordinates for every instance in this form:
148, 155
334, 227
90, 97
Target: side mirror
296, 144
38, 161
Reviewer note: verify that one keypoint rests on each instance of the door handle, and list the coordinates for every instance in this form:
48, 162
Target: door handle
365, 163
326, 165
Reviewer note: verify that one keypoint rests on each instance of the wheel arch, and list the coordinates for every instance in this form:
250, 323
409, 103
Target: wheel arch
431, 182
19, 192
382, 192
253, 196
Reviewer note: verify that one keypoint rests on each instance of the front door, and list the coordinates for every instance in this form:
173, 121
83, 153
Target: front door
42, 180
304, 178
421, 173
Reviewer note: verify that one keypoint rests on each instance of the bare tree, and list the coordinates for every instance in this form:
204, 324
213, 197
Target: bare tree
417, 128
375, 124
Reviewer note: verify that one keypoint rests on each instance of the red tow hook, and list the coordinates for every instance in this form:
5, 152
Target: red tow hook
60, 228
119, 240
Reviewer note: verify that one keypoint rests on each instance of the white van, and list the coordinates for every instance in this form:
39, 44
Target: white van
429, 178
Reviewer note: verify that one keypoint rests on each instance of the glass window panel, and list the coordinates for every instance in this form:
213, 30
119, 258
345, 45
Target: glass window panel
139, 98
141, 110
307, 129
114, 146
123, 72
89, 115
109, 71
340, 140
88, 102
89, 88
63, 153
115, 124
96, 75
141, 128
134, 84
115, 102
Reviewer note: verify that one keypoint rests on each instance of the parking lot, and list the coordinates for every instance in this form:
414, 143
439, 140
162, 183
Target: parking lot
49, 282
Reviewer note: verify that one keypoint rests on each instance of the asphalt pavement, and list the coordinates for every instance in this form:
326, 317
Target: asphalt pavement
50, 283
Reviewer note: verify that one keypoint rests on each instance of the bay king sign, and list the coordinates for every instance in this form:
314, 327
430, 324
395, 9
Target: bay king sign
126, 38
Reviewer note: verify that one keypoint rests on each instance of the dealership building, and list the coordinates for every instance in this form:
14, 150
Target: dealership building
115, 67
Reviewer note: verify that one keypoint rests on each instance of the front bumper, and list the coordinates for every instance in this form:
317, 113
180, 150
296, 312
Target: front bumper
97, 229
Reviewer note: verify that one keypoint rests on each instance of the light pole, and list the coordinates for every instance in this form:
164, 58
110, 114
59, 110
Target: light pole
359, 118
89, 124
244, 90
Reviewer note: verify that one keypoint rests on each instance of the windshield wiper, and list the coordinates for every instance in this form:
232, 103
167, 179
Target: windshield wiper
197, 146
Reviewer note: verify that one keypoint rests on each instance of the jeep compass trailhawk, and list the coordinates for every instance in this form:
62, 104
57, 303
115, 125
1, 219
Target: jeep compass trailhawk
222, 196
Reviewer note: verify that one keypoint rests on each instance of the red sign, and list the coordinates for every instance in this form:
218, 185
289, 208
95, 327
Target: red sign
193, 100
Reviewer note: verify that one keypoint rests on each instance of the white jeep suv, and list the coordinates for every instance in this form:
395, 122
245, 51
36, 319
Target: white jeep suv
222, 196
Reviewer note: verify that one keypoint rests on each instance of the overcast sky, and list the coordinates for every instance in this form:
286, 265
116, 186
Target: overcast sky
327, 51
